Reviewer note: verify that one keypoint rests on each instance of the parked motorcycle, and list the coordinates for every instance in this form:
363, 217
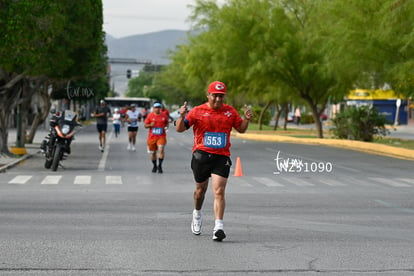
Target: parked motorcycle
63, 127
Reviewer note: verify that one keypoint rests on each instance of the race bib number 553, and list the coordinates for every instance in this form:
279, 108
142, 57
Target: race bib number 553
215, 140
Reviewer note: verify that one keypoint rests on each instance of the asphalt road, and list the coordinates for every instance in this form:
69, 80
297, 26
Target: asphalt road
297, 210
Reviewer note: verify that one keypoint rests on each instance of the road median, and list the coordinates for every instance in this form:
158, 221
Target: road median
368, 147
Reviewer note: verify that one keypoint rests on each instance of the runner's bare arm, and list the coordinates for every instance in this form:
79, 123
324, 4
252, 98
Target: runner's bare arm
179, 124
248, 115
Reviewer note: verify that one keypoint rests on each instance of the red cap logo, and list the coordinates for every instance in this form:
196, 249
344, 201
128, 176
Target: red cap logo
217, 87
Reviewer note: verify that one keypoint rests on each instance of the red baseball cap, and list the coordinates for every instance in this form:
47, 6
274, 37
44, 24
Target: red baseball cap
217, 87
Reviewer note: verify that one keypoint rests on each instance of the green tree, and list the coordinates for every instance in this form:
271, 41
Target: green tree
27, 29
373, 40
175, 84
295, 51
259, 45
137, 87
53, 41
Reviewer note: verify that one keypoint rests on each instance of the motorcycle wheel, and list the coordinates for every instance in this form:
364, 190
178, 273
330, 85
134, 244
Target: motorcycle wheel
56, 157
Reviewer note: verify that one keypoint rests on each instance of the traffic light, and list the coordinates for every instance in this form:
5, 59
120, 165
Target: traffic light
128, 73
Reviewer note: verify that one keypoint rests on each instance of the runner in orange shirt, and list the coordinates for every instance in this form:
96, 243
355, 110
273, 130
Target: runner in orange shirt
157, 123
212, 123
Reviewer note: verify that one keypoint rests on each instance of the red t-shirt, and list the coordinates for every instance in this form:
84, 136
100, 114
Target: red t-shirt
165, 112
212, 127
158, 130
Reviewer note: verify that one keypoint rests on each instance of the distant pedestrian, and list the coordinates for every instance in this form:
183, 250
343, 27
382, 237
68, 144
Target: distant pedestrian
123, 112
144, 113
116, 120
297, 115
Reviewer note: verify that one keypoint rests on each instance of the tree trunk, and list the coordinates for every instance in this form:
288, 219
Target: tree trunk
42, 111
7, 104
33, 128
277, 117
26, 99
4, 131
316, 113
262, 113
319, 127
286, 108
39, 119
9, 95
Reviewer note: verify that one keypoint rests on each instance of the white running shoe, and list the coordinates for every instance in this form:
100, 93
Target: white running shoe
100, 147
218, 235
129, 147
196, 224
133, 148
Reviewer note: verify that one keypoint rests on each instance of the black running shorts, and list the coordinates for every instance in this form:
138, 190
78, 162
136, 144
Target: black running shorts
101, 127
132, 129
204, 164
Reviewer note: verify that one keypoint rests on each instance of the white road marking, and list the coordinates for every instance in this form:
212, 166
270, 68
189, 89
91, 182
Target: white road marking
51, 179
113, 179
299, 182
390, 182
82, 180
102, 162
240, 181
144, 180
331, 182
20, 179
410, 181
267, 182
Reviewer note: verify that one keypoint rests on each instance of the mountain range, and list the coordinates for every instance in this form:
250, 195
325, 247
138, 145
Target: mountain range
151, 46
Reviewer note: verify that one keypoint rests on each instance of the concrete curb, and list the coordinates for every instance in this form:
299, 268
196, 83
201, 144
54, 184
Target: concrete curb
368, 147
15, 162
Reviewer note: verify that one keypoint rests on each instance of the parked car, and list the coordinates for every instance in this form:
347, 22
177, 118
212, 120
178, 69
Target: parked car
176, 114
291, 117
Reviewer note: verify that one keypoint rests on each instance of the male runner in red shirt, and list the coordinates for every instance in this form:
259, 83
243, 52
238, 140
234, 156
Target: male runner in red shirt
212, 123
166, 112
157, 123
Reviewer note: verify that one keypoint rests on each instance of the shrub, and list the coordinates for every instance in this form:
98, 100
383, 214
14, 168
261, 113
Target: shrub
306, 119
359, 123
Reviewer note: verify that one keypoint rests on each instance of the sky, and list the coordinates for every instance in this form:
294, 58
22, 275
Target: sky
129, 17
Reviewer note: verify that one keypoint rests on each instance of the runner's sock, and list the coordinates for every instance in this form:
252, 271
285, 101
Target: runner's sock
218, 224
197, 213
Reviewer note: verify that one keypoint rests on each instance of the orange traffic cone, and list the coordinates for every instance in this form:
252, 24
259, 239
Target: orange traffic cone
238, 171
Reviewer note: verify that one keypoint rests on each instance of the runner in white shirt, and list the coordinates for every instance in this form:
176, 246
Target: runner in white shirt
132, 117
116, 120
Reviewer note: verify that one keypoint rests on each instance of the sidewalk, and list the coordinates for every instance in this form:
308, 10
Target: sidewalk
31, 149
403, 132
